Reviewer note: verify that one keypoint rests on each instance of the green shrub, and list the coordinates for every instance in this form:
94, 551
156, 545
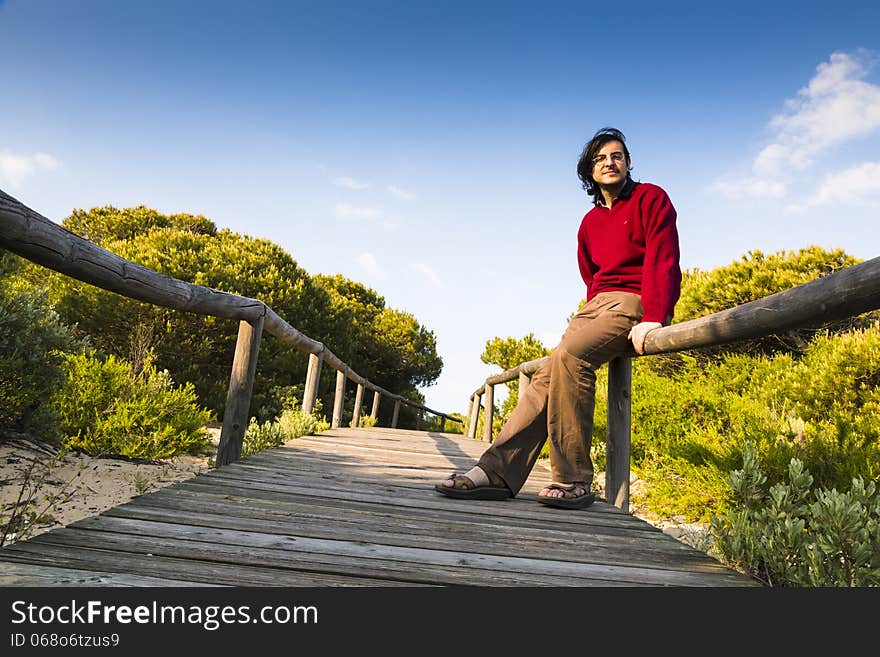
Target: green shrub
292, 423
451, 426
791, 534
366, 421
259, 436
32, 338
758, 275
106, 409
689, 426
295, 423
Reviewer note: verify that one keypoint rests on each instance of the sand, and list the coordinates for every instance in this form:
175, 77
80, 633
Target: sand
78, 486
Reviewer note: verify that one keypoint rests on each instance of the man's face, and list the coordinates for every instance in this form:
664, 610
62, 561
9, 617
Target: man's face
610, 164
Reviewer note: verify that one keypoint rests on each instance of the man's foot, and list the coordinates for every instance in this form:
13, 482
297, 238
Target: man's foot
474, 485
567, 496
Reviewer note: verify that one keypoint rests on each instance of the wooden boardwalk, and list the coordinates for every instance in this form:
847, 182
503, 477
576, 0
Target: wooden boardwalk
355, 508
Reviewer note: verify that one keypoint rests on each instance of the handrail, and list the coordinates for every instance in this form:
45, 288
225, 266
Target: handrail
38, 239
845, 293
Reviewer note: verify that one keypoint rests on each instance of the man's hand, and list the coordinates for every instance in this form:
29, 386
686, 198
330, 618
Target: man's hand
638, 332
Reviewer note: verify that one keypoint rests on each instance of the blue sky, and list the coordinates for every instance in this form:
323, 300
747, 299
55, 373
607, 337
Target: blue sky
428, 149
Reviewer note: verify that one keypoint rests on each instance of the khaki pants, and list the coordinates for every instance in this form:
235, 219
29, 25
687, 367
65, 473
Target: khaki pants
558, 404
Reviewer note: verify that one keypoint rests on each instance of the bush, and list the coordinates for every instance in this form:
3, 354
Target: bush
32, 338
782, 538
260, 436
689, 427
106, 409
758, 275
293, 423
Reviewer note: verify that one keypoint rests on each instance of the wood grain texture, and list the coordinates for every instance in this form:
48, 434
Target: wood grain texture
241, 386
355, 507
617, 444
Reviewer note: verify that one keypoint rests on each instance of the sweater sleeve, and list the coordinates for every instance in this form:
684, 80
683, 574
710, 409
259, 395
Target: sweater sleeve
661, 276
585, 264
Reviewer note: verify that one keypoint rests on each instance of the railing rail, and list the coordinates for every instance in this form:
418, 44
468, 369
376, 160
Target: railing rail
38, 239
845, 293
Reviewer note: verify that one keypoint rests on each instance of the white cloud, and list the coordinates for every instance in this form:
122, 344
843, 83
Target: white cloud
15, 168
345, 211
859, 184
402, 194
429, 274
837, 105
350, 183
368, 262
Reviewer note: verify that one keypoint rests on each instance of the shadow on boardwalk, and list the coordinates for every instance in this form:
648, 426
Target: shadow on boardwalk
355, 507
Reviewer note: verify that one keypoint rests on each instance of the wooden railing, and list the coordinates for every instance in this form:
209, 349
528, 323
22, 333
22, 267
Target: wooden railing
845, 293
38, 239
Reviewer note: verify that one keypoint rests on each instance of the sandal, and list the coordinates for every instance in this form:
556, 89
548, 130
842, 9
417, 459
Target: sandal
465, 489
575, 496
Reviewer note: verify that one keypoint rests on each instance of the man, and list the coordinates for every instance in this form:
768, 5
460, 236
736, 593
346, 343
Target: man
628, 256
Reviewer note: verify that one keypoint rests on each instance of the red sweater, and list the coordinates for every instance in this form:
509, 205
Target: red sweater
633, 247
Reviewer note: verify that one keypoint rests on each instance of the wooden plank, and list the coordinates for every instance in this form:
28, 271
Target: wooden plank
301, 557
327, 512
358, 558
392, 497
28, 574
198, 572
348, 485
511, 513
386, 529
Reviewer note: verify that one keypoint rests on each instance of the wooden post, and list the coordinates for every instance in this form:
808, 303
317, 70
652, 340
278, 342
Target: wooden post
338, 401
470, 407
358, 400
241, 385
313, 377
488, 411
375, 411
396, 414
442, 423
617, 446
475, 416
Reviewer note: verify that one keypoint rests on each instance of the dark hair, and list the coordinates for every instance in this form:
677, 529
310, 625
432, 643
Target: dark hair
585, 163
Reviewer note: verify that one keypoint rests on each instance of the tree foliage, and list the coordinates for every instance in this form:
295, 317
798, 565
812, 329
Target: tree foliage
31, 338
110, 224
387, 346
507, 353
757, 275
